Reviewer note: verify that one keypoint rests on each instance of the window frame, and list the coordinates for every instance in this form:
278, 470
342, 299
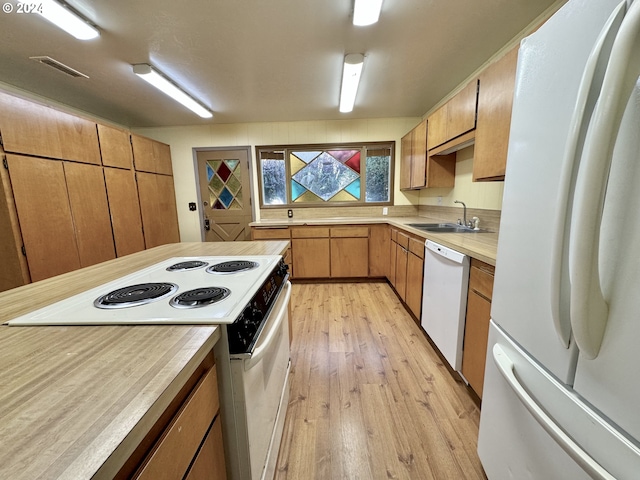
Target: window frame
362, 146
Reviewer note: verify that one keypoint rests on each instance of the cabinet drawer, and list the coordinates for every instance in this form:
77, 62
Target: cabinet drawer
403, 240
270, 233
310, 232
394, 235
481, 278
178, 445
416, 247
351, 232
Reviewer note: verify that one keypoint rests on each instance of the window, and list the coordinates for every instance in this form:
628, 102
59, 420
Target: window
326, 175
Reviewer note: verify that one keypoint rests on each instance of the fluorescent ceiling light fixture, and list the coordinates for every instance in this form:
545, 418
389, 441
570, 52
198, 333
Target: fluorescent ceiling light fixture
366, 12
66, 19
152, 76
350, 80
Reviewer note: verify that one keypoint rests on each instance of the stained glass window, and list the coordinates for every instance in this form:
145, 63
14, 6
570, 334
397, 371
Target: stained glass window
313, 176
225, 184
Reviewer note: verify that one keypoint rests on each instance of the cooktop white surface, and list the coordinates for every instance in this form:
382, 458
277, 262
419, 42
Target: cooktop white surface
80, 309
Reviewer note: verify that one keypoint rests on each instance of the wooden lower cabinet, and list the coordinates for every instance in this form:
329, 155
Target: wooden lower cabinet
401, 270
379, 245
349, 251
189, 442
209, 464
477, 324
311, 257
415, 274
275, 233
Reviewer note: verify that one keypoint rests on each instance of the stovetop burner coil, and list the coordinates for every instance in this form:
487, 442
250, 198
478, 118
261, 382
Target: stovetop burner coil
200, 297
233, 266
133, 295
186, 265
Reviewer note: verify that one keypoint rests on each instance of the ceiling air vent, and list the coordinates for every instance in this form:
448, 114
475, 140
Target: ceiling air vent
59, 66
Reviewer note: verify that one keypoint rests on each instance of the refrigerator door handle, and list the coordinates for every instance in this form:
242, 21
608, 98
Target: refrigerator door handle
507, 368
589, 309
585, 103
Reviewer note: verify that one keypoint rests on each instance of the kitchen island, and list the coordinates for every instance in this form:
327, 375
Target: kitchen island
79, 401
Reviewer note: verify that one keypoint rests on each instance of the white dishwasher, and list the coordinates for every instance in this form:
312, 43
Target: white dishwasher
444, 300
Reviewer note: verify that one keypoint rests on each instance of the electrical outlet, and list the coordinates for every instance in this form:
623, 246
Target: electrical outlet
290, 213
385, 210
439, 200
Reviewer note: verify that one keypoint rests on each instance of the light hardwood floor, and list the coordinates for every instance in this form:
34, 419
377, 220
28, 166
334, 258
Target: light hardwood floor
370, 399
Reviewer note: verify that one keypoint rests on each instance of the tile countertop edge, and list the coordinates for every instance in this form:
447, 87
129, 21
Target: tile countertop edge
481, 246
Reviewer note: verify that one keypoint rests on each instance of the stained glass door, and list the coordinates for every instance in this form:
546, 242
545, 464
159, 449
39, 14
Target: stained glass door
225, 194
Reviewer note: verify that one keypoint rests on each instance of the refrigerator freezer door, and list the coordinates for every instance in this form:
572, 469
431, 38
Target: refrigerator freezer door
534, 427
550, 66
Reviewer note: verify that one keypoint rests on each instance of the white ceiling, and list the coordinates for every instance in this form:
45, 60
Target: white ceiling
259, 60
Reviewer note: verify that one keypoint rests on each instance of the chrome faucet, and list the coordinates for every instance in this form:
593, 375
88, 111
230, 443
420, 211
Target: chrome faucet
464, 213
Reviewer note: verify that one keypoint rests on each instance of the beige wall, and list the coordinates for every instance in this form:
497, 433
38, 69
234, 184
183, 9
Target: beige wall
485, 195
184, 139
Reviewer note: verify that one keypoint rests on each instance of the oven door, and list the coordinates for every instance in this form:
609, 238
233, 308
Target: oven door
261, 392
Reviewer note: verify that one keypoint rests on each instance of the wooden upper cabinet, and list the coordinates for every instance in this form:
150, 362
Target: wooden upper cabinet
497, 83
419, 155
90, 212
158, 209
32, 129
151, 156
414, 158
40, 193
115, 147
406, 158
454, 118
124, 205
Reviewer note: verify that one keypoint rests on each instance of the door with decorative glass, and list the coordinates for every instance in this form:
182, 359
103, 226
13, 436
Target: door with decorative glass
225, 193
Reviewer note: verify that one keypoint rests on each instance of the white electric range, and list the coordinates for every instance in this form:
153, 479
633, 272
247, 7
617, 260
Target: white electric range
248, 298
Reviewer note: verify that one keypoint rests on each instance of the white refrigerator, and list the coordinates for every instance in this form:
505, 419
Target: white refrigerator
562, 383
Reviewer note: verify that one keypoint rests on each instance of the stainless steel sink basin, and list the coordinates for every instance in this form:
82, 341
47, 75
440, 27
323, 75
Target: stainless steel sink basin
445, 228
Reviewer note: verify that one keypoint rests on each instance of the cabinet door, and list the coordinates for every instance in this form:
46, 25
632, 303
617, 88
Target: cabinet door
209, 463
419, 155
32, 129
437, 133
44, 214
151, 156
350, 257
115, 147
379, 245
162, 155
461, 114
311, 258
90, 212
15, 271
406, 160
495, 102
415, 269
401, 272
393, 246
124, 205
475, 340
158, 209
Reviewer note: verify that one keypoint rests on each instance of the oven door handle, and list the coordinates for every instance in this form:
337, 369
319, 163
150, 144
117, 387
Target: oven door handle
266, 338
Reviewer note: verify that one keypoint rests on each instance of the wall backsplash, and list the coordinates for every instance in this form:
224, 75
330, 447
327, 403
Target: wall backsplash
489, 219
485, 195
324, 212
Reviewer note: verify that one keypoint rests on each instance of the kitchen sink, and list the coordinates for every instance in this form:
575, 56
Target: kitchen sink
445, 228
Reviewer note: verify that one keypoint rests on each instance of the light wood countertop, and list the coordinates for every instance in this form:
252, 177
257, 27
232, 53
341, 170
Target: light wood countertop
482, 246
76, 401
